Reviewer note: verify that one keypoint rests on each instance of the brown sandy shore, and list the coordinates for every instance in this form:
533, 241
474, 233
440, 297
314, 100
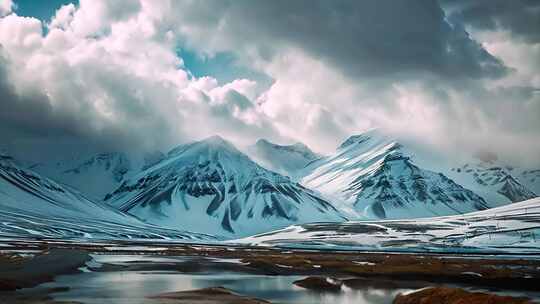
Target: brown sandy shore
352, 268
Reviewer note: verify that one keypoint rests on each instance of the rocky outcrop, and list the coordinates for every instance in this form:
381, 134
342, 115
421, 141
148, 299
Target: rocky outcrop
212, 295
17, 272
321, 284
446, 295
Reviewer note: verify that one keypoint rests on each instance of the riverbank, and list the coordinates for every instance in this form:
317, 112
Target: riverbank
211, 265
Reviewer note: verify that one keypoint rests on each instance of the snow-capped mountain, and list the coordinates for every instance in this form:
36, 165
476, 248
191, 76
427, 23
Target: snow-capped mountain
374, 175
37, 207
285, 159
510, 229
496, 183
211, 187
495, 180
94, 176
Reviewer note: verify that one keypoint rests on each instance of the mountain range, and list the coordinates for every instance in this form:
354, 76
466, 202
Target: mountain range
377, 179
210, 187
498, 182
96, 175
34, 206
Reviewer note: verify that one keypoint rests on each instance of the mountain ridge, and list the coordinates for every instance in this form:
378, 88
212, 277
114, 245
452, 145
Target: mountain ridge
285, 159
37, 207
374, 175
212, 182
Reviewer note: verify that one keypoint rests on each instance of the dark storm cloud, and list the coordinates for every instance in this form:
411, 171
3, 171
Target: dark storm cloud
362, 38
28, 116
32, 126
112, 80
521, 17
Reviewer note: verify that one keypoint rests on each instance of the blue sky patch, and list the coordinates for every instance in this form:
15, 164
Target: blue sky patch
223, 66
42, 10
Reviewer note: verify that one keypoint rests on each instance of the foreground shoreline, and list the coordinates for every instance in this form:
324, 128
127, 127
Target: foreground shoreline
514, 272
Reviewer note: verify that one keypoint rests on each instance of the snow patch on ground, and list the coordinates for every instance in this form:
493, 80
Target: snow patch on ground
512, 229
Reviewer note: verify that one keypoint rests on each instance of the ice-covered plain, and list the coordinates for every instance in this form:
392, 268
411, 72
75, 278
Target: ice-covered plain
511, 229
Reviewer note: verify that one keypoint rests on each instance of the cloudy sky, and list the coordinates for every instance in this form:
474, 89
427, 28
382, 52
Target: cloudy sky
149, 74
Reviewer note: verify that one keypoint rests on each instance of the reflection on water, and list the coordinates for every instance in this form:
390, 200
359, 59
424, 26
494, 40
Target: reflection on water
133, 287
151, 275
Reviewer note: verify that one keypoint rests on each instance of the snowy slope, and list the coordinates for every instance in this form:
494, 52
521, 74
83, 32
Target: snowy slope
152, 158
373, 175
34, 206
530, 178
211, 187
513, 229
286, 159
94, 176
495, 182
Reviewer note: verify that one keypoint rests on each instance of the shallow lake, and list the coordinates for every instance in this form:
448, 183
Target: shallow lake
129, 286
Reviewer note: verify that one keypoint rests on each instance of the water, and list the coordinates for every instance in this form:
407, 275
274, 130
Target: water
134, 285
121, 287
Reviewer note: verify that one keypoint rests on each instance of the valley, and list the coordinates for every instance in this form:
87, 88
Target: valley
208, 222
269, 152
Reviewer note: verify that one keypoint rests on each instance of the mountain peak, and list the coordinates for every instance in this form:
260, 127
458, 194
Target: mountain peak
285, 159
300, 146
217, 141
362, 137
212, 180
296, 147
263, 142
374, 174
214, 141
